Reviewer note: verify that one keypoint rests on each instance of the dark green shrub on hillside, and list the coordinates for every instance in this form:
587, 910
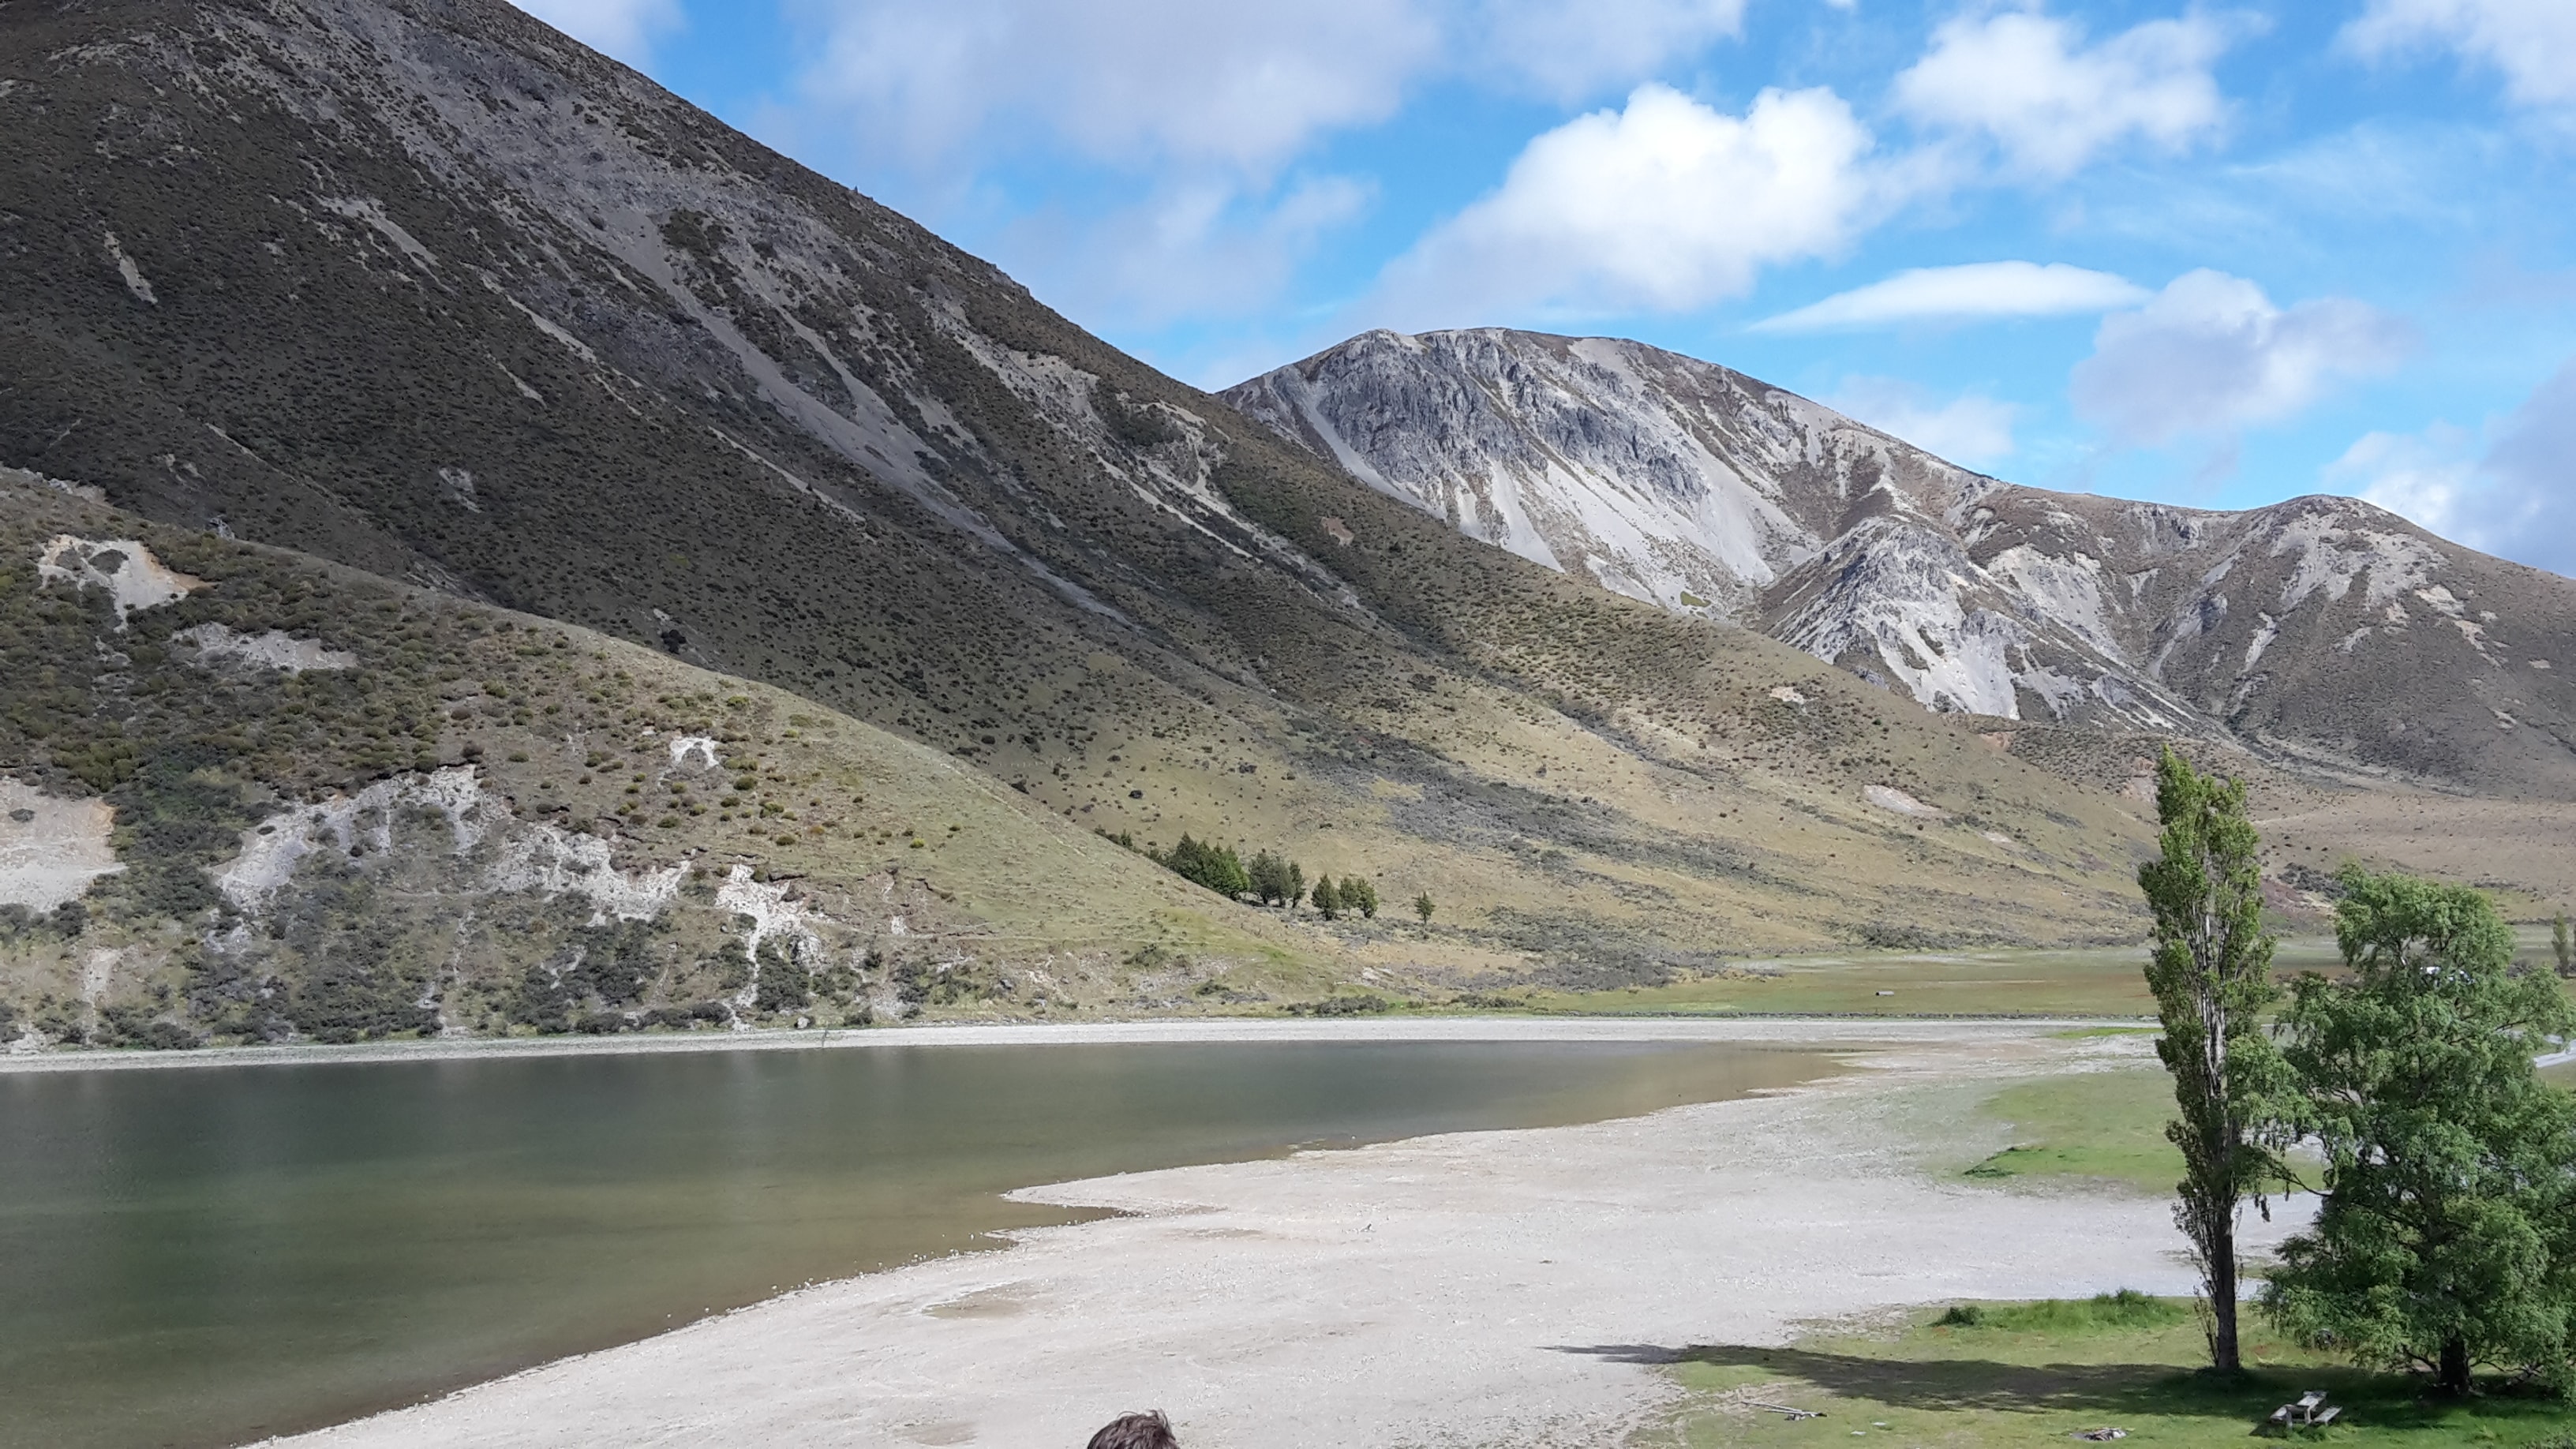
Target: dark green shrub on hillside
1359, 895
615, 963
1327, 899
1213, 866
785, 983
232, 1000
1362, 1005
61, 1020
138, 1026
1276, 881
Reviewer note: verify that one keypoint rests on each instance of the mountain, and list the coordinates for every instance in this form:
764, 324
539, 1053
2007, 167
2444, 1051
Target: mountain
2321, 630
429, 291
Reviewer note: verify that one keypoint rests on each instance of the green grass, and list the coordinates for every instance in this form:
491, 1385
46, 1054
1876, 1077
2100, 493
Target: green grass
2103, 981
2035, 1373
2103, 1125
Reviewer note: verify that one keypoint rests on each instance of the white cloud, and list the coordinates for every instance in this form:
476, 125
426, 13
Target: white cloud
1665, 205
1976, 290
1247, 85
1194, 249
625, 29
1137, 82
2026, 81
2422, 476
1972, 429
2518, 501
2533, 42
1568, 51
2211, 354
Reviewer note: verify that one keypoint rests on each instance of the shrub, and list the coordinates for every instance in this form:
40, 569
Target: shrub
1213, 866
785, 983
1365, 1005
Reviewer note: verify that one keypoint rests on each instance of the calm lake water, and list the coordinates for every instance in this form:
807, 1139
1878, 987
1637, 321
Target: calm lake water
204, 1256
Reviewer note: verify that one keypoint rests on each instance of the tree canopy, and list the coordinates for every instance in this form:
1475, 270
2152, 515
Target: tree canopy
2447, 1233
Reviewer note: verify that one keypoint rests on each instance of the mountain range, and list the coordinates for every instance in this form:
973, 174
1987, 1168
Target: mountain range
457, 324
2320, 630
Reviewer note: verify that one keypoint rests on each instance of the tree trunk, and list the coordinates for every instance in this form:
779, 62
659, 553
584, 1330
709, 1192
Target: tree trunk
2454, 1378
2223, 1353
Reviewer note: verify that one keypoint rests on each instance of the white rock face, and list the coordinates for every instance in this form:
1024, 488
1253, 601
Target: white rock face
1707, 492
270, 649
50, 849
524, 857
122, 566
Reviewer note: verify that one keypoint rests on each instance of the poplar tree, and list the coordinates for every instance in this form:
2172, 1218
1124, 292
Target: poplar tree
2211, 975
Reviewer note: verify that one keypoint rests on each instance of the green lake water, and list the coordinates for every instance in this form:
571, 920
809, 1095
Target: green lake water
206, 1255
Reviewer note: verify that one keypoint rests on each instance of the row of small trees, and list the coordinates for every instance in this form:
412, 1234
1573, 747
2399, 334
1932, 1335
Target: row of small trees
1270, 879
2445, 1236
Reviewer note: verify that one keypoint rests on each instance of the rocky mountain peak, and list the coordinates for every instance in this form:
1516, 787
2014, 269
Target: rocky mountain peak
2323, 628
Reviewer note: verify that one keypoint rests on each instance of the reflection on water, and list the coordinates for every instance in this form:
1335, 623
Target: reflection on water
203, 1256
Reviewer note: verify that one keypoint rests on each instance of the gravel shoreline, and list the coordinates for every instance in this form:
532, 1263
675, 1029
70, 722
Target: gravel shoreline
1511, 1287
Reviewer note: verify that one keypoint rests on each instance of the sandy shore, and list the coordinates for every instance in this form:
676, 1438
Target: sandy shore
1482, 1288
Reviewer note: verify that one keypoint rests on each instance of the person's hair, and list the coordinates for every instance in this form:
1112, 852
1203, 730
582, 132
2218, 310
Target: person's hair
1136, 1431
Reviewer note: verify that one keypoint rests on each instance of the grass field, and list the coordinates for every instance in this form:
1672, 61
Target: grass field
2103, 981
2102, 1125
2037, 1374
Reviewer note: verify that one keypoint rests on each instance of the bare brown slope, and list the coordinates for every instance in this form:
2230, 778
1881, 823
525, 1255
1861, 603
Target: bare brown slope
430, 290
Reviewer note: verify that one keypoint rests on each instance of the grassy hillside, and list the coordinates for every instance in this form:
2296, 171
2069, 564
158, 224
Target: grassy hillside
501, 824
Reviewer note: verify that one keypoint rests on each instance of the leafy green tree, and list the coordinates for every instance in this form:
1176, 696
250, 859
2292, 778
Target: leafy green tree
1359, 895
2211, 974
2561, 947
2447, 1233
1270, 881
1422, 907
1213, 866
1327, 899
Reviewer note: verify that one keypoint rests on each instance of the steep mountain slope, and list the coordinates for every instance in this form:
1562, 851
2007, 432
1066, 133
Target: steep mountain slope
428, 290
2321, 628
254, 796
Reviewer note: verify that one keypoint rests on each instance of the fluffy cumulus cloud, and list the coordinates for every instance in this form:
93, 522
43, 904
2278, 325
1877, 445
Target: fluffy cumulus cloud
1138, 82
1972, 429
2210, 354
625, 29
1972, 292
2517, 500
2531, 42
1663, 205
2028, 82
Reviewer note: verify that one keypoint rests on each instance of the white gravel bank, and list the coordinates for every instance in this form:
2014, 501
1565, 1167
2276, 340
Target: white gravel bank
1481, 1288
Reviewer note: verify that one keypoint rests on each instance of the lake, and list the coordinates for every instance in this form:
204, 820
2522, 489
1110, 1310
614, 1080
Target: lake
203, 1256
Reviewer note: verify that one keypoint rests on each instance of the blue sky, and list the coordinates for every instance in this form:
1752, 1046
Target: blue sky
2205, 254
